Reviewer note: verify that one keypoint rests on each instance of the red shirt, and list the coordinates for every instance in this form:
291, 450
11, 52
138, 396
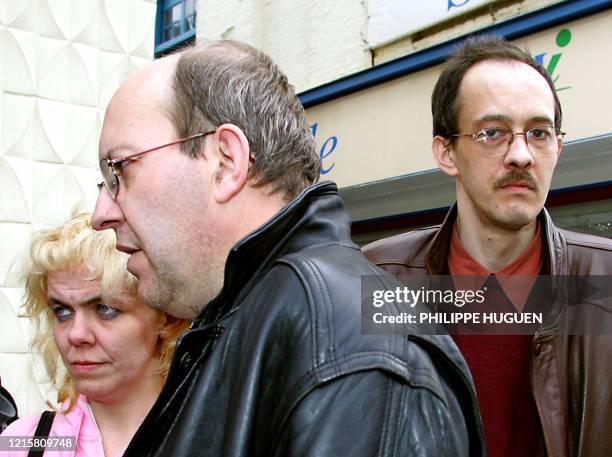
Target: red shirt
516, 278
500, 364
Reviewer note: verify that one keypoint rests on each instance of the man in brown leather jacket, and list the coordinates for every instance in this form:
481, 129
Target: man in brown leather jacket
497, 130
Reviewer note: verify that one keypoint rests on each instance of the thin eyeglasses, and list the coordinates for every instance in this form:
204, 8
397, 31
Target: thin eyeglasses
112, 168
496, 141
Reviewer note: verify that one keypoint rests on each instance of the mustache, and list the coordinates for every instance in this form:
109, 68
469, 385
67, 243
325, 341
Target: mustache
516, 176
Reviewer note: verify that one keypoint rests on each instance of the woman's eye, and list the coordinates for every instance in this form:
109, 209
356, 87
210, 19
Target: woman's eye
106, 311
62, 313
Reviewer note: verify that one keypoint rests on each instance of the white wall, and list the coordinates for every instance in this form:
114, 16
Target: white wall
313, 42
60, 61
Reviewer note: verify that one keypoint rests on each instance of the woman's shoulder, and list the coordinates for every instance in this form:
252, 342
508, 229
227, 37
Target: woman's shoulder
23, 427
63, 423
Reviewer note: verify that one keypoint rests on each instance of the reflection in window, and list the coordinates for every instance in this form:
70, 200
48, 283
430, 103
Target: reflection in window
176, 24
190, 15
594, 218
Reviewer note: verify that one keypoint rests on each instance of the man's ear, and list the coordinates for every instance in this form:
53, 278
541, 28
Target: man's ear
233, 162
444, 155
560, 149
172, 327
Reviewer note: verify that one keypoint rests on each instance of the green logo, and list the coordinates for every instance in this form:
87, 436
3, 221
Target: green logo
564, 37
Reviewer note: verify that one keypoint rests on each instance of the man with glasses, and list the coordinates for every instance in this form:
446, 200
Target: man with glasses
497, 131
208, 166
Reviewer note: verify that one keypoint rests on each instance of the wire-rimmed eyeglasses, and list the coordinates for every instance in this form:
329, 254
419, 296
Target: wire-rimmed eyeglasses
112, 168
495, 141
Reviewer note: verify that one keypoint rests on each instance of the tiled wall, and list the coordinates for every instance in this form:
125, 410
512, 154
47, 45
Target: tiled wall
60, 62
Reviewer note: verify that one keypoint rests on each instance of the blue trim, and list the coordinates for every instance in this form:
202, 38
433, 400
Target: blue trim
594, 185
174, 41
421, 212
510, 29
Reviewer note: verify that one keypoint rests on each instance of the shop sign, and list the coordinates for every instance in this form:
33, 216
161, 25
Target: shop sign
385, 131
390, 20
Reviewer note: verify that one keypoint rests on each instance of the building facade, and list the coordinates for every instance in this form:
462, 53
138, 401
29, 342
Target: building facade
365, 72
364, 69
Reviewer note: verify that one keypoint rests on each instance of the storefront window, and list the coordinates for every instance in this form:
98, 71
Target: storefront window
594, 217
591, 217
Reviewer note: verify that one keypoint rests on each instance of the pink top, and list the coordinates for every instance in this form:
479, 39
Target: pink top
77, 423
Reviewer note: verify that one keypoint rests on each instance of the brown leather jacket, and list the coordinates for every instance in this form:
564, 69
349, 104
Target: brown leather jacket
571, 376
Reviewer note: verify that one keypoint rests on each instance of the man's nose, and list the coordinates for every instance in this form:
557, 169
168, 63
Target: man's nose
107, 213
519, 154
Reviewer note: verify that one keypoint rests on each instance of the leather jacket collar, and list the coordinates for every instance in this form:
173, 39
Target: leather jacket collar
554, 254
314, 215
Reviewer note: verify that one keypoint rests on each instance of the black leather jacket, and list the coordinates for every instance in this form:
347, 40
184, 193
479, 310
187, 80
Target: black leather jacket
277, 365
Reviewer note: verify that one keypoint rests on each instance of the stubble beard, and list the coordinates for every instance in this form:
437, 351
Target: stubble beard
185, 298
513, 219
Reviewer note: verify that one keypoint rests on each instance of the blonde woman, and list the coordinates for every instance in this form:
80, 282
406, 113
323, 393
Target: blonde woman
106, 351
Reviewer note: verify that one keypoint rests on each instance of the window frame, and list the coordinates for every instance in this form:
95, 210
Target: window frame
186, 37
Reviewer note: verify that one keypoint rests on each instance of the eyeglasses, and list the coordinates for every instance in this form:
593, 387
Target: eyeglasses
496, 141
112, 169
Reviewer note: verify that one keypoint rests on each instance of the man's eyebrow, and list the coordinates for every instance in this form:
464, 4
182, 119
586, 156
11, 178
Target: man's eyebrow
542, 118
115, 153
492, 118
121, 151
108, 155
507, 119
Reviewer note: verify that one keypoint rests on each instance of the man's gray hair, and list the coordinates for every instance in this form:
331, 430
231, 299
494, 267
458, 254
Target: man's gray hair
231, 82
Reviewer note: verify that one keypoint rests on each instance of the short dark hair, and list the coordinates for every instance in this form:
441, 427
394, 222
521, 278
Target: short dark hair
231, 82
444, 99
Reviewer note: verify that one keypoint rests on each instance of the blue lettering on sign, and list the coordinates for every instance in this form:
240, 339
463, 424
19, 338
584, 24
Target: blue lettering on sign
313, 128
452, 4
326, 150
323, 154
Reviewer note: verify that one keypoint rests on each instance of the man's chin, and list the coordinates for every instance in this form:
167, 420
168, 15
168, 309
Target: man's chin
149, 295
517, 218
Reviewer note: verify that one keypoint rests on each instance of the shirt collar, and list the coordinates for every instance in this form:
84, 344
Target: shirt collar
516, 279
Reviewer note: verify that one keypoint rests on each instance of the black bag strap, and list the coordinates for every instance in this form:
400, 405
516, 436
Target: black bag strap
42, 431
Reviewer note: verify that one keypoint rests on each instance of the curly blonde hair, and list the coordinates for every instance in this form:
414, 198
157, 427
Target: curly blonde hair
66, 247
